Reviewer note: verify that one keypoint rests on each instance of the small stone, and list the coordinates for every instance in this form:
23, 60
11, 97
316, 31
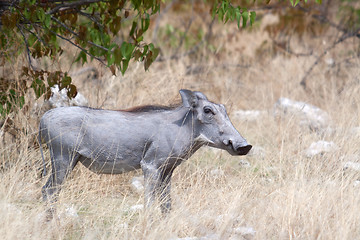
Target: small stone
352, 166
217, 172
309, 115
185, 238
137, 207
356, 183
320, 147
244, 163
137, 184
60, 99
70, 211
245, 231
330, 62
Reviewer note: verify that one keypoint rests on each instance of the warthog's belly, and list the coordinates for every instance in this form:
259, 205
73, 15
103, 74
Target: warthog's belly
109, 167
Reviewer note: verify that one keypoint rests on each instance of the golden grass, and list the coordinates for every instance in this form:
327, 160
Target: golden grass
281, 196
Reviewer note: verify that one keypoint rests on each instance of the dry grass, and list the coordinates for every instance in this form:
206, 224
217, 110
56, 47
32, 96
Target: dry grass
283, 195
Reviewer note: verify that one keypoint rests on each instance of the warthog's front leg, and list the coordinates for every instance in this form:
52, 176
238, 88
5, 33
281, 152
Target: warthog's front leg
157, 184
165, 187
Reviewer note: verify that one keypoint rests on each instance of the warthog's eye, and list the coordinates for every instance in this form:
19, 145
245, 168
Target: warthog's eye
208, 110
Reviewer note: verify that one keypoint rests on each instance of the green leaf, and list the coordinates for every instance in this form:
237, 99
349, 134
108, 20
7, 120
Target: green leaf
126, 50
252, 18
137, 55
145, 22
21, 101
65, 82
38, 86
221, 15
117, 56
156, 52
125, 64
110, 58
245, 16
41, 14
151, 47
238, 16
47, 20
133, 27
2, 111
82, 57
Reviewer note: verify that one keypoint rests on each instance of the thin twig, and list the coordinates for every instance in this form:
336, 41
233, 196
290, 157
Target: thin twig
340, 40
67, 28
82, 49
72, 5
92, 18
27, 47
277, 44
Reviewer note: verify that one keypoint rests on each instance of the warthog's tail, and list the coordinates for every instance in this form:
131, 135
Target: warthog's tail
42, 155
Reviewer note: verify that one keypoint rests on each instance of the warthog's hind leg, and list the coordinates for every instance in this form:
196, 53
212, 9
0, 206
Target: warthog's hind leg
61, 165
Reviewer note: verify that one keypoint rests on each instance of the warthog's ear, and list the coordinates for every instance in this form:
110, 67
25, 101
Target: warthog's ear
200, 95
189, 98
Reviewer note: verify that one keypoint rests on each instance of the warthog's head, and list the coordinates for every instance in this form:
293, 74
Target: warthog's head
212, 125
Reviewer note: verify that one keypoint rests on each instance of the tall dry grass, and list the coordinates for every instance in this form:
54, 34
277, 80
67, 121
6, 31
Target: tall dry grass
282, 195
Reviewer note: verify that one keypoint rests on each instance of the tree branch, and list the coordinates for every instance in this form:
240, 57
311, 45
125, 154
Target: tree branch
65, 6
27, 47
77, 35
340, 40
82, 49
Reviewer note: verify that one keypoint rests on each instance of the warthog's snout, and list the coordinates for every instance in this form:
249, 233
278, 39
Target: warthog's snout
243, 150
238, 148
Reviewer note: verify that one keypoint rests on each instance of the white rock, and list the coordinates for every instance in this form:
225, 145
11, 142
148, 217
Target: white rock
123, 226
137, 184
352, 166
217, 172
11, 208
320, 147
79, 100
249, 115
137, 207
70, 211
330, 62
245, 231
60, 98
309, 115
356, 183
212, 236
244, 163
185, 238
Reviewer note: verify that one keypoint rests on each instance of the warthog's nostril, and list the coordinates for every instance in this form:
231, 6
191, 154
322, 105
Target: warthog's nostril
244, 150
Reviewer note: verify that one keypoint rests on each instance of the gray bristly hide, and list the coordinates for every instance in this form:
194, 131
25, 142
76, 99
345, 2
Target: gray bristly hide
155, 139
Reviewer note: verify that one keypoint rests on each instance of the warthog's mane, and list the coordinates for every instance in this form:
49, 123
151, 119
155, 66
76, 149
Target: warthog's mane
150, 108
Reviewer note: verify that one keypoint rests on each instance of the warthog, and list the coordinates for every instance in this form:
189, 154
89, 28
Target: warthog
155, 139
